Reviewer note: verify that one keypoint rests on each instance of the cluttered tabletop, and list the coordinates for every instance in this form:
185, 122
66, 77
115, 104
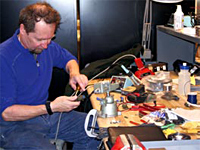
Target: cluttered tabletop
164, 107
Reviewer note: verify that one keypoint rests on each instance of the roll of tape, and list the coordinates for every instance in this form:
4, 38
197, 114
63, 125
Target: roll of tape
192, 97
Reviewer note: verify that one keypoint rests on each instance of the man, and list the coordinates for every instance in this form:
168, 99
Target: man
26, 63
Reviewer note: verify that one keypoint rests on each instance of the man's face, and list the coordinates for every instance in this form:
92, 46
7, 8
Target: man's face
38, 40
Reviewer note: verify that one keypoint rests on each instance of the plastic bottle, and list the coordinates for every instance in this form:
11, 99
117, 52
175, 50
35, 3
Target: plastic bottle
178, 18
184, 80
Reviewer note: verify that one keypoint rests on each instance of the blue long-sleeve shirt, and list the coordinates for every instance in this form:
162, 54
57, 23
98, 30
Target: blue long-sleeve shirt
21, 80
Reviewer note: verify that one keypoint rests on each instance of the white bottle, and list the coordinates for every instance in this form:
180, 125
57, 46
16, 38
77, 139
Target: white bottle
178, 18
184, 80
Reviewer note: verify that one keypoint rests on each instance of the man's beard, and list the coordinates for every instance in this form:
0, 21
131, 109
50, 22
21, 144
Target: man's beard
36, 51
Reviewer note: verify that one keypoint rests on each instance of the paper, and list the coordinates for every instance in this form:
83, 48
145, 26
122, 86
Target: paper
190, 115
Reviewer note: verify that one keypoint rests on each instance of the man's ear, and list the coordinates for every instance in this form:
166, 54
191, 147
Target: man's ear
22, 29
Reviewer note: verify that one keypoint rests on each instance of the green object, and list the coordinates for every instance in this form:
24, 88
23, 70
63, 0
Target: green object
171, 126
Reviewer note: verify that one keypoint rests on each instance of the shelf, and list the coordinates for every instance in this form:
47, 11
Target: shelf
189, 37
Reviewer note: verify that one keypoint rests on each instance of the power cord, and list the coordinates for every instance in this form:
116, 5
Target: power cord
60, 116
58, 127
127, 55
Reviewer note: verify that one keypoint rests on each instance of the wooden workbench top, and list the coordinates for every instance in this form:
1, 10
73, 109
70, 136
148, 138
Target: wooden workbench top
127, 116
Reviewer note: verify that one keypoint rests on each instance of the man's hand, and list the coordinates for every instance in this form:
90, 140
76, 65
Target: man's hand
24, 112
76, 79
81, 80
64, 104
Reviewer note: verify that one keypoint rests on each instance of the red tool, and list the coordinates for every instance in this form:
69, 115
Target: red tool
142, 71
135, 123
146, 107
144, 121
153, 107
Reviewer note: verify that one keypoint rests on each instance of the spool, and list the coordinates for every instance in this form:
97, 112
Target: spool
192, 97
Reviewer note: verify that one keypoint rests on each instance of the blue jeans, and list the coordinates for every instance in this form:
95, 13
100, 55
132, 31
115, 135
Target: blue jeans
34, 134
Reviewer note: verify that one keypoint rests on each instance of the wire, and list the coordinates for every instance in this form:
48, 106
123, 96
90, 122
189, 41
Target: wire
88, 97
85, 90
127, 55
58, 127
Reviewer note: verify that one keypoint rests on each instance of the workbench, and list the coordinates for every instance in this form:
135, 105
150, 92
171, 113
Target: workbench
127, 116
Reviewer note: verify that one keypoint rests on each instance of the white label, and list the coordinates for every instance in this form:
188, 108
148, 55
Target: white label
178, 22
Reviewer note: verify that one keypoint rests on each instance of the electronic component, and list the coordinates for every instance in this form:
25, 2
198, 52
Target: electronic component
122, 81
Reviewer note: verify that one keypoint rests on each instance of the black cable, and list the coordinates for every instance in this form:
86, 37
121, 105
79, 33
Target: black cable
86, 101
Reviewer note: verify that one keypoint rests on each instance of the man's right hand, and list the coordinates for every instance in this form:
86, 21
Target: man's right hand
25, 112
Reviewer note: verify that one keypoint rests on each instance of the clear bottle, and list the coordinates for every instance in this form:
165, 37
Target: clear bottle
178, 18
184, 80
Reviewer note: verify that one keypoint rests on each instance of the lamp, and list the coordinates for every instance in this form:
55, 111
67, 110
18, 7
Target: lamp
146, 33
167, 1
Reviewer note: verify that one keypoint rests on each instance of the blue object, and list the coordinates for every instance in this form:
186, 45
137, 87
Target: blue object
184, 67
192, 98
99, 99
22, 81
188, 20
35, 133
